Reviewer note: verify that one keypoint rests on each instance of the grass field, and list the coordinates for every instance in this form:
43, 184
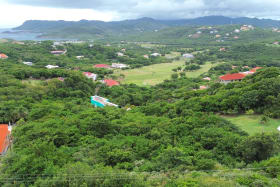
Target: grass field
251, 123
32, 82
155, 74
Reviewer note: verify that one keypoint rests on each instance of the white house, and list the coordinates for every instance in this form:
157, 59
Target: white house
80, 57
90, 75
188, 55
120, 66
155, 54
120, 54
51, 67
28, 63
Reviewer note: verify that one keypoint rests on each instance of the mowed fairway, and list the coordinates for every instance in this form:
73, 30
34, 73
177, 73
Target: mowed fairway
155, 74
251, 123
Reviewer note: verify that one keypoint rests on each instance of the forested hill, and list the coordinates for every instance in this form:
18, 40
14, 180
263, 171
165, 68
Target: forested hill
87, 28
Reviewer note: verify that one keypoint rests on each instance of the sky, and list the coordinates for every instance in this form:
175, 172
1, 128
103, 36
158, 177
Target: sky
15, 12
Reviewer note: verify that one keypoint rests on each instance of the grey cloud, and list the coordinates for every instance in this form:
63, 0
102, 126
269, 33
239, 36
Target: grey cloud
168, 9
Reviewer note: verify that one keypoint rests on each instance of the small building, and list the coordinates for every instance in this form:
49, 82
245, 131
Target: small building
237, 31
28, 63
61, 79
102, 66
51, 67
58, 52
3, 56
222, 49
155, 54
276, 43
218, 36
146, 56
232, 78
5, 133
111, 82
90, 75
120, 54
120, 66
236, 37
207, 78
123, 50
80, 57
203, 87
98, 101
254, 70
188, 56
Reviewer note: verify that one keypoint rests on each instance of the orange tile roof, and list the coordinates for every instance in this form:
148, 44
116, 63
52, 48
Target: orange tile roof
2, 55
4, 132
255, 69
110, 82
234, 76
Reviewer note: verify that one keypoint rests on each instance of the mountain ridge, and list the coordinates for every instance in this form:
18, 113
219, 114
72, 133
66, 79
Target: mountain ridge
95, 28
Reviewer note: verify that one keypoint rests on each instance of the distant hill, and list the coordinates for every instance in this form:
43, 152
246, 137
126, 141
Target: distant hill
91, 29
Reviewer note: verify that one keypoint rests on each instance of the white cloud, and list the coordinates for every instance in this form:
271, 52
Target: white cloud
19, 10
15, 15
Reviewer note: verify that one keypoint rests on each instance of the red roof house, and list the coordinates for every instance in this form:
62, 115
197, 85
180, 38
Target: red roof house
3, 56
254, 70
110, 82
102, 66
4, 138
232, 77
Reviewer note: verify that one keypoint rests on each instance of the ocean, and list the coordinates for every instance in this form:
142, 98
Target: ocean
20, 36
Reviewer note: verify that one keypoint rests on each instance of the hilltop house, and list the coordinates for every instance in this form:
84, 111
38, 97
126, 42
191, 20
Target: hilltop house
28, 63
155, 54
188, 56
80, 57
110, 82
232, 78
5, 132
102, 66
51, 67
120, 54
3, 56
90, 75
58, 52
120, 66
146, 56
98, 101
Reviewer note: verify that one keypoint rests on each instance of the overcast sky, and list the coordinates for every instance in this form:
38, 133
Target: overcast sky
15, 12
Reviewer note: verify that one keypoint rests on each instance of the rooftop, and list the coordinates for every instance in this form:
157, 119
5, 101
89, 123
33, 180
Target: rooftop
234, 76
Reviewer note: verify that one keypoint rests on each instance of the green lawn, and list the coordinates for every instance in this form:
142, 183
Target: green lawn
251, 123
32, 82
155, 74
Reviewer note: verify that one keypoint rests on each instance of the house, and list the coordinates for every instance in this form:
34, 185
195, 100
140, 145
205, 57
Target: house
123, 50
120, 54
276, 43
5, 133
218, 36
28, 63
110, 82
203, 87
80, 57
146, 56
207, 78
3, 56
233, 67
254, 70
102, 66
237, 31
51, 67
232, 78
222, 49
120, 66
58, 52
236, 37
90, 75
188, 56
98, 101
155, 54
61, 79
